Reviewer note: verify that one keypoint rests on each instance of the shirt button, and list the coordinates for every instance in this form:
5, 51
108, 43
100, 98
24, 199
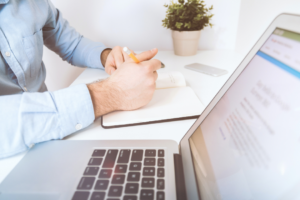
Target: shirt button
7, 53
78, 127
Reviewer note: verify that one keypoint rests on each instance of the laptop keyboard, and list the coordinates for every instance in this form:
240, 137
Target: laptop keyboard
123, 174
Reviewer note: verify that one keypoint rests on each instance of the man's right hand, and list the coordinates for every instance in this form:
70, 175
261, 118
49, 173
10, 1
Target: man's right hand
128, 88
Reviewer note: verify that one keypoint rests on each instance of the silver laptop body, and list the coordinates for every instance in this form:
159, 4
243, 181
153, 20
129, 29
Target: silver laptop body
254, 123
245, 145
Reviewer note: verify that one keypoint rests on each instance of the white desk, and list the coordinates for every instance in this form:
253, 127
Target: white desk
206, 87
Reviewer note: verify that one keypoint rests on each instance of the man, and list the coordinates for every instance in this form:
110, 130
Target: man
28, 113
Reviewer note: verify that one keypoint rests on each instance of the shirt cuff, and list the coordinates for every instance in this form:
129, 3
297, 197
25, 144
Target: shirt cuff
87, 54
75, 108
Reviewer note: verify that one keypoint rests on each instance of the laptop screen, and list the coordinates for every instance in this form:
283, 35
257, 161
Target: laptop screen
248, 147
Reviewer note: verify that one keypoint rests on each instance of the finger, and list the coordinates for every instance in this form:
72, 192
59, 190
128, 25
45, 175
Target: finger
155, 75
126, 56
110, 63
147, 55
118, 57
112, 71
108, 69
155, 64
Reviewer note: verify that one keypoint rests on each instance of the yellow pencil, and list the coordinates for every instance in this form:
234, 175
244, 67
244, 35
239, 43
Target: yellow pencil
131, 55
126, 50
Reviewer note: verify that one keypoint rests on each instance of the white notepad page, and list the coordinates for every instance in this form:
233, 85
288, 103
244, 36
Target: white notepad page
166, 104
170, 80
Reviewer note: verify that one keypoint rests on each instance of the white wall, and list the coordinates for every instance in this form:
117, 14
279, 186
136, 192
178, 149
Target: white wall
256, 16
136, 24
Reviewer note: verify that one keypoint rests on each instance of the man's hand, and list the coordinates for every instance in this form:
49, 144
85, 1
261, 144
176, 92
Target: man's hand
113, 59
128, 88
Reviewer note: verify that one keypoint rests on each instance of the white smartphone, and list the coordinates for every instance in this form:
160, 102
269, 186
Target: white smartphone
213, 71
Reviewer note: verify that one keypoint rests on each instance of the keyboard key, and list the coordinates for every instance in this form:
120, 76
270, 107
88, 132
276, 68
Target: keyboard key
98, 196
86, 183
148, 182
161, 162
121, 169
150, 152
147, 195
137, 155
110, 158
149, 171
95, 161
149, 162
132, 188
99, 153
115, 191
124, 156
160, 185
161, 153
130, 198
91, 171
133, 176
105, 173
160, 172
135, 166
160, 196
81, 195
101, 185
118, 179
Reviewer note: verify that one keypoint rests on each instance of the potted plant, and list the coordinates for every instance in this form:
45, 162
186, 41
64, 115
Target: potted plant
186, 19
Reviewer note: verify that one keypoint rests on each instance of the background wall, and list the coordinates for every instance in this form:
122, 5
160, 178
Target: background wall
136, 24
256, 16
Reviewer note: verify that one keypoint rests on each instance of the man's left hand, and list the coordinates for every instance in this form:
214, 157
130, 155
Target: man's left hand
112, 59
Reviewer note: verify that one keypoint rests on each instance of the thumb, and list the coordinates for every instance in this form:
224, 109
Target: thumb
109, 69
146, 55
112, 70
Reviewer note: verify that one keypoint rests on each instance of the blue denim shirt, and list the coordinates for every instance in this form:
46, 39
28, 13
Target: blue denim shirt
28, 113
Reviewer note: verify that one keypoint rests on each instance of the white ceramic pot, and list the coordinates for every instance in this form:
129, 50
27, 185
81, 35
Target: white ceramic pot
185, 42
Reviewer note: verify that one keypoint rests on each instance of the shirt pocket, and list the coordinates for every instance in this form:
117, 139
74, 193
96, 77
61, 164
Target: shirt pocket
34, 51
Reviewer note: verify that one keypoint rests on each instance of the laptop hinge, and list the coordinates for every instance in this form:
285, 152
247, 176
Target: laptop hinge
179, 178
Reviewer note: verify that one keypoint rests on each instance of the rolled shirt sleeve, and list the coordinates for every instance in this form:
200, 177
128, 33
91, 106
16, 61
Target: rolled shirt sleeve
37, 116
42, 116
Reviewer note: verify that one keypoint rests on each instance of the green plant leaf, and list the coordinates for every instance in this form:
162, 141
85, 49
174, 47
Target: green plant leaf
188, 25
187, 15
178, 25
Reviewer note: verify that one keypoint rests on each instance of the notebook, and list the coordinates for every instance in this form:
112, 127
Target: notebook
172, 100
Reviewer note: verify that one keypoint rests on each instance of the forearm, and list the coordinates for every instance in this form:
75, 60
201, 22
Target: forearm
105, 97
89, 54
36, 117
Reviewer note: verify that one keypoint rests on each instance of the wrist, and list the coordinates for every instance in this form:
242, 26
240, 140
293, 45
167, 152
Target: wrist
104, 97
103, 56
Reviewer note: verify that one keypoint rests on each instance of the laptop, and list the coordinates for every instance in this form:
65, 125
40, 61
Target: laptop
245, 145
